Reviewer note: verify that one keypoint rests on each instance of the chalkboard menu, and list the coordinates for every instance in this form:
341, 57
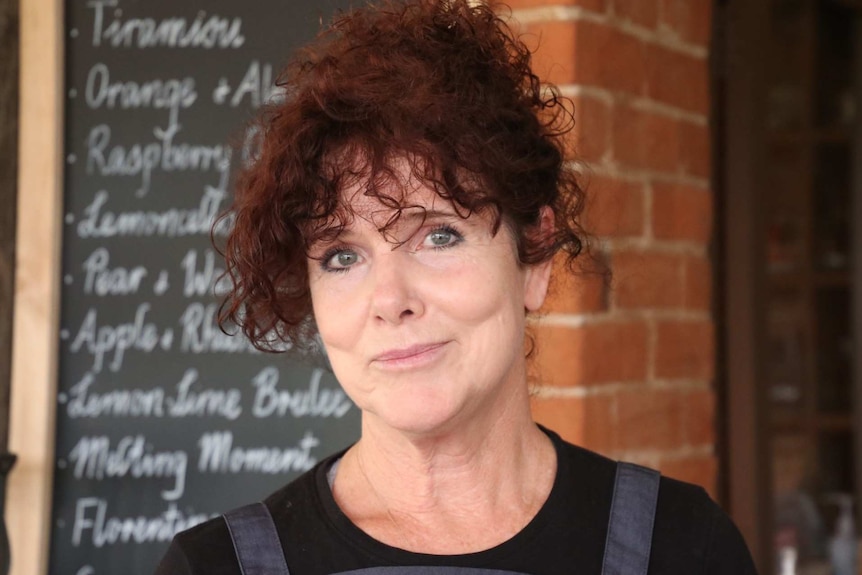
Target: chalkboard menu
163, 421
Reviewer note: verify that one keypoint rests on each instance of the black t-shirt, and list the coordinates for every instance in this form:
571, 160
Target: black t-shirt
692, 535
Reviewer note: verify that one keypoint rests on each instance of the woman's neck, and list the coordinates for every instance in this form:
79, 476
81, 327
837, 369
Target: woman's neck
481, 483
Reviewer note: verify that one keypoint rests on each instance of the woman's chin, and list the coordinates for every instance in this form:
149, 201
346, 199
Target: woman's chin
417, 418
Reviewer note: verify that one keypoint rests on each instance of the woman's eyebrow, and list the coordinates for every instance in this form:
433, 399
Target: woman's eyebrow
408, 217
423, 215
330, 237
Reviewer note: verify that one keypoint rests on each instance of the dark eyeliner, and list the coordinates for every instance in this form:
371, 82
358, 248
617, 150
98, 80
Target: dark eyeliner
449, 230
327, 257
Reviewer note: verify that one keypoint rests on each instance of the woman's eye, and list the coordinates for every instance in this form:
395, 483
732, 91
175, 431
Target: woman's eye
340, 260
442, 238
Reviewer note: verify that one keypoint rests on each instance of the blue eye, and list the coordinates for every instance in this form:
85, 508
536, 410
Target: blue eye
443, 237
339, 260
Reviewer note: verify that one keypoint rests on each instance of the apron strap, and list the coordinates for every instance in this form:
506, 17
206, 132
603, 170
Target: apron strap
255, 541
627, 549
629, 537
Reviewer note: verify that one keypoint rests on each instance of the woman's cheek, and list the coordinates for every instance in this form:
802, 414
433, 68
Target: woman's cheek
336, 302
334, 284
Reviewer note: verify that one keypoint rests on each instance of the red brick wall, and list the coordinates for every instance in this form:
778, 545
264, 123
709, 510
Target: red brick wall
627, 369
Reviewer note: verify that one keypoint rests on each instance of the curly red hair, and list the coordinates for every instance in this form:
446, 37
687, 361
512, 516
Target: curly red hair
444, 84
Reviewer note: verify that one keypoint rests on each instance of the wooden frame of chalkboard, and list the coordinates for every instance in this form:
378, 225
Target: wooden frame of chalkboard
132, 415
37, 292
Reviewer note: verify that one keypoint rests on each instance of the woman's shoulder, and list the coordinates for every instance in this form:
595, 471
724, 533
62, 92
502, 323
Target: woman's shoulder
207, 548
204, 548
691, 531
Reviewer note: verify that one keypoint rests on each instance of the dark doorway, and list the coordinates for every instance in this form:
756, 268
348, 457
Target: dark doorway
787, 132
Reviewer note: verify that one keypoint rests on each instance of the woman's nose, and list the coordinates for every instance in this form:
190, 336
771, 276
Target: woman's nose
394, 294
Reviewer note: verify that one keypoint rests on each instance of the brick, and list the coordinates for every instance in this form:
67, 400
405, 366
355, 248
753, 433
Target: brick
593, 5
592, 133
614, 208
646, 280
677, 79
690, 20
587, 421
661, 141
592, 354
628, 135
553, 45
695, 151
685, 349
681, 212
646, 140
701, 470
698, 283
698, 413
567, 52
577, 292
640, 12
650, 419
652, 141
608, 58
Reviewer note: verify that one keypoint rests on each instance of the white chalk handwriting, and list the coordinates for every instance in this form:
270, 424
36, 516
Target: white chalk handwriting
140, 160
255, 89
200, 332
100, 529
101, 280
204, 31
190, 401
95, 458
112, 341
99, 222
219, 455
84, 403
208, 279
172, 94
310, 402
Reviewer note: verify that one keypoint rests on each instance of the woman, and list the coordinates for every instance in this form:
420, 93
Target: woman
408, 197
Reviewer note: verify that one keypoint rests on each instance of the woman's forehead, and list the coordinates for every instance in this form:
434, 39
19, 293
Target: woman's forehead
380, 205
395, 221
402, 191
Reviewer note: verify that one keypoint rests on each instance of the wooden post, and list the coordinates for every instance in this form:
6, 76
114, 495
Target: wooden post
34, 356
748, 476
8, 190
856, 266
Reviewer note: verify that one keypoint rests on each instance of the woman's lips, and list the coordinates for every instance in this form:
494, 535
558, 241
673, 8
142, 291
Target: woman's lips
409, 356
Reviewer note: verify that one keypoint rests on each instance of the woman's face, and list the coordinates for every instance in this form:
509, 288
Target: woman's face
424, 328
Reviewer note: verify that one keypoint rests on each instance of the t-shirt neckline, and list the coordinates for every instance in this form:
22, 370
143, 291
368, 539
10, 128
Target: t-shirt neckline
386, 553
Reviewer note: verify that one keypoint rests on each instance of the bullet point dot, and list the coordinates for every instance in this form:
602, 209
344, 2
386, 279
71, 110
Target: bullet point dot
62, 398
61, 523
68, 279
64, 334
73, 93
71, 158
73, 32
61, 463
69, 218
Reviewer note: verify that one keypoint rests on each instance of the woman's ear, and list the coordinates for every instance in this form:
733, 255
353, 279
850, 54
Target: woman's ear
538, 276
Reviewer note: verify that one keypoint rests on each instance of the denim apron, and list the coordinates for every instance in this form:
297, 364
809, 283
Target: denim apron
627, 547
